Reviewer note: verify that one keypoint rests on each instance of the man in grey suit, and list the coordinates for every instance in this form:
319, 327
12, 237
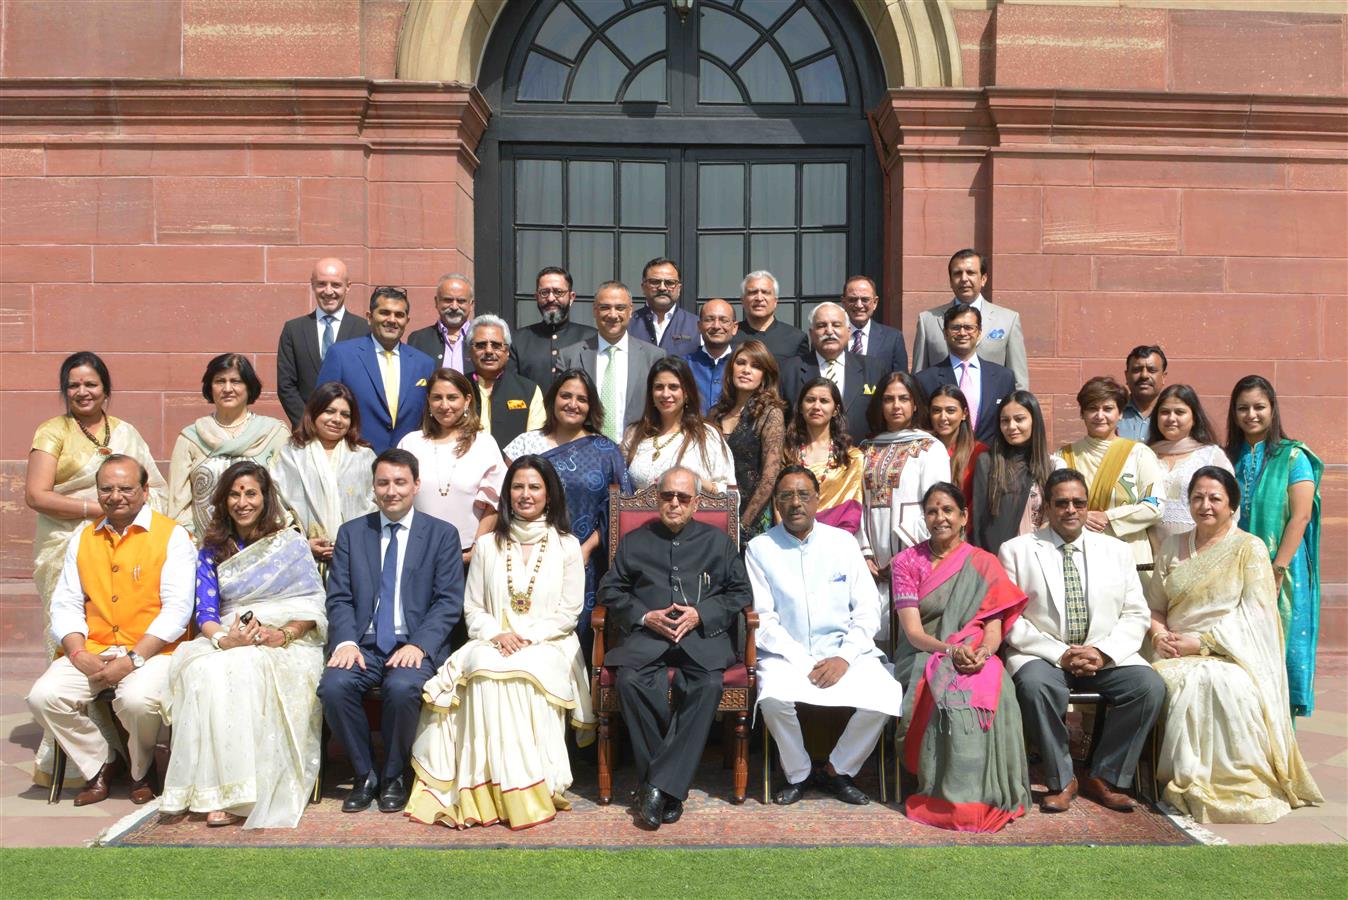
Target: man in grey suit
446, 341
616, 361
869, 337
1002, 342
305, 340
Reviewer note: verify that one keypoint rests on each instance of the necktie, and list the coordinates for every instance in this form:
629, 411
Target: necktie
328, 336
608, 395
390, 385
964, 389
384, 637
856, 342
1078, 618
832, 371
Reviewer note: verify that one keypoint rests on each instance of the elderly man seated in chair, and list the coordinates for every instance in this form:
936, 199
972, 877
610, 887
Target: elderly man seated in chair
819, 611
675, 587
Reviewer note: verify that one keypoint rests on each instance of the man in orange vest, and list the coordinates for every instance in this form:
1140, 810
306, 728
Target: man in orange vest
121, 605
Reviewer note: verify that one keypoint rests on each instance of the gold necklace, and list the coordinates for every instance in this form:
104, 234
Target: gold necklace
655, 442
521, 601
445, 486
102, 445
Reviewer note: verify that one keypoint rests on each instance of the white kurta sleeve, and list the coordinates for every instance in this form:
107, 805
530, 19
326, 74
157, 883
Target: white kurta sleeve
67, 600
481, 624
772, 636
177, 588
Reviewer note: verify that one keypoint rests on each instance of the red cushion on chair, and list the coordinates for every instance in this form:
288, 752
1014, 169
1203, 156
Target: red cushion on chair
737, 676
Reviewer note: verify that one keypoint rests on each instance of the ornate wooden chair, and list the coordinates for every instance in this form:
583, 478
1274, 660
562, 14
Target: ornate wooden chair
739, 684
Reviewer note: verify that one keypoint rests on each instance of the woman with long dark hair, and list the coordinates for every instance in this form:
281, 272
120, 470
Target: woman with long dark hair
948, 410
1182, 439
1009, 479
751, 416
819, 441
671, 431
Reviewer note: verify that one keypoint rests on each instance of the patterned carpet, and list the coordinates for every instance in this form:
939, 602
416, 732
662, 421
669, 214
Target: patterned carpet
710, 820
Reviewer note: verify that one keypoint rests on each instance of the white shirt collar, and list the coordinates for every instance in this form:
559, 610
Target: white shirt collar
978, 303
337, 315
864, 329
1056, 539
405, 521
142, 521
823, 363
621, 344
956, 362
724, 353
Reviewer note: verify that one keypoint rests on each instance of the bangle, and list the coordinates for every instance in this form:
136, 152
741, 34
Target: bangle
216, 637
86, 508
286, 637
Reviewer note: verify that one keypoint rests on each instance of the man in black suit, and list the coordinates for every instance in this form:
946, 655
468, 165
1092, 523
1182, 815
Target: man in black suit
985, 385
536, 347
508, 404
855, 376
869, 337
674, 590
758, 297
395, 591
305, 340
446, 341
662, 321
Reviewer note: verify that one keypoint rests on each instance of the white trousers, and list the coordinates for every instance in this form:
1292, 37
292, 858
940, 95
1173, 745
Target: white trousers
853, 747
60, 701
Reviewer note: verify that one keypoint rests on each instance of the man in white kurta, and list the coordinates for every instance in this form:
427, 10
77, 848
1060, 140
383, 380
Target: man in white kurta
818, 612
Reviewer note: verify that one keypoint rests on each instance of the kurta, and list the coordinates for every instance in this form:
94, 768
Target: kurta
202, 453
457, 489
1136, 504
816, 599
1177, 472
717, 469
491, 744
324, 489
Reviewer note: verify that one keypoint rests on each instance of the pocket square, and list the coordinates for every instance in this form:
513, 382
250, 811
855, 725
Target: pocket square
516, 404
838, 576
868, 389
421, 382
996, 334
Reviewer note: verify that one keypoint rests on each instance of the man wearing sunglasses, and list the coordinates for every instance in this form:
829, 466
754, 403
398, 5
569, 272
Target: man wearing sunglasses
508, 404
662, 321
1081, 631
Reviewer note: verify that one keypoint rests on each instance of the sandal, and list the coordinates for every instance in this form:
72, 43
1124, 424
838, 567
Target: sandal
219, 818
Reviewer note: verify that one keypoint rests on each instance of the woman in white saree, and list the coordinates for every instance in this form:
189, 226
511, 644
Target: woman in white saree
242, 702
1229, 753
491, 744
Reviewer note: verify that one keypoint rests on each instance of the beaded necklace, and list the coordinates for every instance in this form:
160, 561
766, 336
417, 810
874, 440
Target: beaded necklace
521, 601
102, 445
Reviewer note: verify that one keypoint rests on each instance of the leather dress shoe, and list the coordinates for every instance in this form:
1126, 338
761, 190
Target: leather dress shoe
362, 794
673, 810
141, 791
393, 798
791, 792
842, 787
1060, 801
650, 806
1103, 793
96, 788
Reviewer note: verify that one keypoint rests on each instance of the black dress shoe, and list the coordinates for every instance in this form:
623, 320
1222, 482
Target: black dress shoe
393, 798
650, 806
842, 787
673, 810
791, 792
363, 794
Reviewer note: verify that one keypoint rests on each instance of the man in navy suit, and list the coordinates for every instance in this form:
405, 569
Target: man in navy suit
662, 321
395, 591
387, 376
855, 376
868, 337
985, 385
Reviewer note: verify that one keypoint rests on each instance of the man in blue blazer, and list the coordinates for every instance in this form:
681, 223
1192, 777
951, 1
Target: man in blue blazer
662, 321
387, 376
395, 591
868, 337
985, 384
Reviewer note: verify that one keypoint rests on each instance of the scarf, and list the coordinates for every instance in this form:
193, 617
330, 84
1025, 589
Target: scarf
1184, 445
523, 531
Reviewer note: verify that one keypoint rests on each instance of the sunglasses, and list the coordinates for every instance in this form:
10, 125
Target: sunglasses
485, 345
671, 496
1065, 502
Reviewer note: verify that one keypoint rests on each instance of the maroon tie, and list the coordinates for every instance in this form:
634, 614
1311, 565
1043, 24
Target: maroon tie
856, 341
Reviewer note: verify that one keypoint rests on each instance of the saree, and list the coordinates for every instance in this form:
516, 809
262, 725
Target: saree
246, 721
1229, 753
324, 490
1264, 511
964, 741
203, 452
840, 491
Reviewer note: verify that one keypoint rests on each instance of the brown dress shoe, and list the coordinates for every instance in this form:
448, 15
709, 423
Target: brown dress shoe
1061, 801
96, 788
1101, 792
141, 791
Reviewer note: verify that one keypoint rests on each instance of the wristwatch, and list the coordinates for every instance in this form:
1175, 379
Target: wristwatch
136, 659
215, 638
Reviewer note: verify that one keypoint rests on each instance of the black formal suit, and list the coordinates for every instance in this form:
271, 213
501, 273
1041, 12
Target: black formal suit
428, 341
887, 345
298, 359
536, 347
508, 421
431, 594
681, 335
860, 376
995, 384
700, 567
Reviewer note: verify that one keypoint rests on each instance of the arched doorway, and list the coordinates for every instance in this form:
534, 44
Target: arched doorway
732, 141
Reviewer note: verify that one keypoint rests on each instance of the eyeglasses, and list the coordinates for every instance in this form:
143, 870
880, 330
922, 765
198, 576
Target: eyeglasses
1073, 502
671, 496
962, 329
388, 290
797, 496
484, 345
109, 490
454, 301
552, 292
663, 282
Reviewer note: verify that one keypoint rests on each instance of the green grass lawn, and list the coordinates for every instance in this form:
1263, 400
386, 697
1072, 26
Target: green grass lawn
1089, 872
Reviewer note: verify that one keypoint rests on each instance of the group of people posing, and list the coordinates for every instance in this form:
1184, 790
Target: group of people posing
433, 523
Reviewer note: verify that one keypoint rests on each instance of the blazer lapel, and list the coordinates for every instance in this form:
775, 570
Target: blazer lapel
637, 366
371, 363
416, 543
854, 380
309, 341
376, 564
350, 327
1051, 573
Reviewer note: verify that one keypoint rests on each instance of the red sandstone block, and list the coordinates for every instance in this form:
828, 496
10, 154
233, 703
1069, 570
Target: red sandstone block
1017, 219
297, 263
1326, 175
1311, 378
206, 318
146, 159
76, 210
1191, 171
1101, 220
47, 263
1039, 272
226, 210
23, 411
178, 264
1334, 327
16, 318
1080, 47
33, 371
333, 211
271, 38
1211, 378
1176, 274
419, 268
1055, 376
336, 160
20, 161
180, 409
1052, 168
1038, 319
1063, 416
1264, 275
107, 39
977, 35
129, 371
935, 169
1322, 422
1265, 223
380, 24
415, 215
416, 165
1256, 52
926, 273
911, 304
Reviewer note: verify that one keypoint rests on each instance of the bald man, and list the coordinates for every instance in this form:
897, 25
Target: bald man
305, 341
717, 327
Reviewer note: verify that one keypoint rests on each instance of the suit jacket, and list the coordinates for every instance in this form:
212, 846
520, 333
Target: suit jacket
355, 365
427, 340
1002, 342
1119, 616
995, 385
536, 349
431, 587
642, 578
642, 356
298, 360
681, 336
508, 422
887, 345
860, 376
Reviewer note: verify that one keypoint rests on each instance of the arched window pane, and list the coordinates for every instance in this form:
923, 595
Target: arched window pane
538, 198
715, 86
542, 78
801, 36
766, 78
824, 194
643, 195
563, 33
589, 198
772, 196
724, 36
599, 76
720, 196
641, 34
600, 11
649, 86
822, 82
764, 11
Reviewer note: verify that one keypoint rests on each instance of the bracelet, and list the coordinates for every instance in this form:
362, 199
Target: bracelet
86, 508
286, 637
216, 638
77, 653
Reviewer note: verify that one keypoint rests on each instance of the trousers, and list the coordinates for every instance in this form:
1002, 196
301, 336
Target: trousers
849, 753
